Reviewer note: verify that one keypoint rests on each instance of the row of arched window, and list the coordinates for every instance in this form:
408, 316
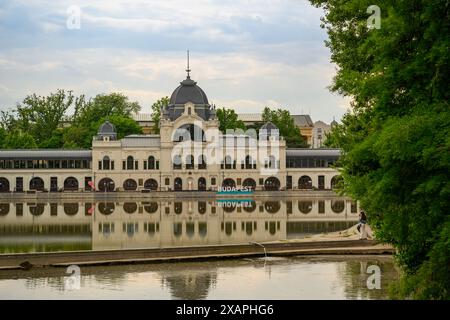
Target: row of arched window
129, 164
107, 208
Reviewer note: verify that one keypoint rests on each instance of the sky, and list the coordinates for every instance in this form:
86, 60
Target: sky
245, 54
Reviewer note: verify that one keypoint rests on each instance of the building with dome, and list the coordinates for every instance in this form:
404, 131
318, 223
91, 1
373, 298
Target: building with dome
189, 153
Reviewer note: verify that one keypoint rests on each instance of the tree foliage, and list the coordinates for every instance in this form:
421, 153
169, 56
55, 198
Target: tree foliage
45, 122
396, 138
285, 123
228, 120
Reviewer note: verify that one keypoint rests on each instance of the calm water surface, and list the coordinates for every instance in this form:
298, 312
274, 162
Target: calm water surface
65, 226
273, 278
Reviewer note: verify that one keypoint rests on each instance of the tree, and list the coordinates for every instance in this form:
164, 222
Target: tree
19, 140
228, 119
156, 111
89, 115
396, 140
285, 123
41, 116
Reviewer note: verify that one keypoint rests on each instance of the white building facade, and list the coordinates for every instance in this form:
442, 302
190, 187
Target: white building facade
189, 154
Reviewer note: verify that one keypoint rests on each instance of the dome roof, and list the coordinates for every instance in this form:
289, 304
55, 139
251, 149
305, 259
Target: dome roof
188, 91
269, 129
107, 128
269, 126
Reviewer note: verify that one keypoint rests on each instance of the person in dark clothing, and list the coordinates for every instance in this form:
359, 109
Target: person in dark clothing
362, 225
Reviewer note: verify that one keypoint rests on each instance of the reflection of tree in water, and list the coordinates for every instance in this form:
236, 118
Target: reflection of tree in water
353, 274
190, 284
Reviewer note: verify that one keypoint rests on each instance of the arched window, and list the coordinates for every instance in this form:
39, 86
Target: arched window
151, 207
305, 206
4, 209
178, 207
305, 182
106, 208
151, 184
178, 184
336, 181
190, 229
37, 184
202, 207
272, 184
106, 163
130, 163
201, 184
228, 162
190, 162
228, 183
272, 206
129, 185
176, 161
250, 206
130, 207
249, 183
202, 229
248, 162
337, 206
272, 162
37, 209
4, 185
202, 162
106, 185
151, 163
70, 209
71, 184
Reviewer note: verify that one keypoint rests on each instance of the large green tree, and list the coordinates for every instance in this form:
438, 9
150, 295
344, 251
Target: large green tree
41, 116
285, 123
88, 115
228, 120
396, 138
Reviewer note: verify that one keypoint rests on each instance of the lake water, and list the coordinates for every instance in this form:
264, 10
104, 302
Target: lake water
75, 225
325, 277
66, 226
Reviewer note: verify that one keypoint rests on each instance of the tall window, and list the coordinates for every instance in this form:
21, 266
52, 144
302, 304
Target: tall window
106, 163
202, 162
190, 162
228, 162
176, 162
130, 163
151, 163
248, 162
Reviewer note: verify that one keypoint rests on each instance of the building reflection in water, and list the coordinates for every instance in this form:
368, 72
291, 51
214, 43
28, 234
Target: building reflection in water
55, 226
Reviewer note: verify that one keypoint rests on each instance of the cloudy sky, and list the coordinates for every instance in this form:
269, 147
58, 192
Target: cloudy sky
245, 54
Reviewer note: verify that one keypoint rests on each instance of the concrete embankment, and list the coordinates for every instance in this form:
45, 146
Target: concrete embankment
105, 257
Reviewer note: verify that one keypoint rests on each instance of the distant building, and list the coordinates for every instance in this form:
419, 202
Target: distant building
145, 121
302, 121
320, 131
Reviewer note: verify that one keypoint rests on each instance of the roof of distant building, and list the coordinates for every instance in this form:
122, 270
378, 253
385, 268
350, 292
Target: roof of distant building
302, 120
